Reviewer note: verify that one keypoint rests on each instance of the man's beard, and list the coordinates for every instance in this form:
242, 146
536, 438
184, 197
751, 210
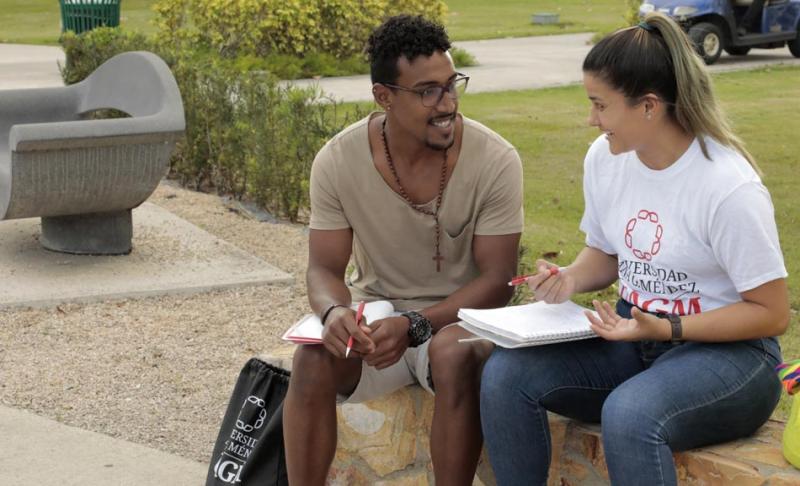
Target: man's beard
439, 146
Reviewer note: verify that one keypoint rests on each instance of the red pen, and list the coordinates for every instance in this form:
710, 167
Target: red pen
359, 314
521, 279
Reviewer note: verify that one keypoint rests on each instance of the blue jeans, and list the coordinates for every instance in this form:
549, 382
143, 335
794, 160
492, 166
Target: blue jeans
651, 398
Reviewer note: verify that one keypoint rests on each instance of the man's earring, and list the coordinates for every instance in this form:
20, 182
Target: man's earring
649, 116
389, 108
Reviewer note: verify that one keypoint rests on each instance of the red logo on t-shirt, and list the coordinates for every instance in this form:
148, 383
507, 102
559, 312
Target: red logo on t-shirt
646, 232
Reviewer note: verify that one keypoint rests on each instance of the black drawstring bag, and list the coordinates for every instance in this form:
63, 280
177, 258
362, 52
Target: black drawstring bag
249, 449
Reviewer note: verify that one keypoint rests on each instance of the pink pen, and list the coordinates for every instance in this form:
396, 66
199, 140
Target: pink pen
359, 314
521, 279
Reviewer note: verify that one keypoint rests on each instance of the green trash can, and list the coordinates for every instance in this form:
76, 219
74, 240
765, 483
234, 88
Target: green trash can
82, 15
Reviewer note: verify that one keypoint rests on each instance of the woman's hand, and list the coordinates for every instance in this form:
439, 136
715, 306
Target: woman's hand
643, 326
550, 284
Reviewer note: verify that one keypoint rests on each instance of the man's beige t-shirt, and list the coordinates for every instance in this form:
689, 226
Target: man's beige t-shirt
394, 245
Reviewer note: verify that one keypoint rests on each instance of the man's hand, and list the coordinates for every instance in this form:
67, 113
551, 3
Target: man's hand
390, 336
643, 326
551, 285
340, 325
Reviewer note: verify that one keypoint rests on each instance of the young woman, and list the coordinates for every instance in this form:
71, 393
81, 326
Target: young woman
676, 214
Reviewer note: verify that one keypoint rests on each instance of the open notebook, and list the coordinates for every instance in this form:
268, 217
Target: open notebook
528, 325
308, 330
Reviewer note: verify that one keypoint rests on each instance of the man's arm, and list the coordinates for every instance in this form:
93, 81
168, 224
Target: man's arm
328, 256
496, 258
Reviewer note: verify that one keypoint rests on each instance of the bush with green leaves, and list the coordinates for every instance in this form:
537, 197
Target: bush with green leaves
246, 134
629, 17
294, 27
86, 52
632, 12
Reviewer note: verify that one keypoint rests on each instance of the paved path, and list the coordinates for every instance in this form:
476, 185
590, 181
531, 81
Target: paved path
36, 450
505, 64
534, 62
29, 66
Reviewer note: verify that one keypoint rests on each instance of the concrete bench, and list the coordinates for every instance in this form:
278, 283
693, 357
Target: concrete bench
385, 442
83, 176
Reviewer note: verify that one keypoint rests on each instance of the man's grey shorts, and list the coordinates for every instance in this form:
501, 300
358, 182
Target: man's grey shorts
413, 367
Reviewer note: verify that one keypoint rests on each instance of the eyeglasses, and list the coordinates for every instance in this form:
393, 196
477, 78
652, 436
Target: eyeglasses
432, 95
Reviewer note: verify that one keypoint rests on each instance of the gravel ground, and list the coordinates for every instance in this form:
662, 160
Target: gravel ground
156, 371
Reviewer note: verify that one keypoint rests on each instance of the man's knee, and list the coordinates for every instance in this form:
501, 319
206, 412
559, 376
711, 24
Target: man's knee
455, 364
317, 373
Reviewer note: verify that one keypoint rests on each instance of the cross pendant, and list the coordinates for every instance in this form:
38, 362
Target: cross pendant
438, 259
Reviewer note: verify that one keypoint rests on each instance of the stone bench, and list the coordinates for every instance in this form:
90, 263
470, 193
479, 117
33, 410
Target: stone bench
83, 176
385, 442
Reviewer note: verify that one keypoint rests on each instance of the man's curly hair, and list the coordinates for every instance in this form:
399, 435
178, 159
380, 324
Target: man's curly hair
402, 35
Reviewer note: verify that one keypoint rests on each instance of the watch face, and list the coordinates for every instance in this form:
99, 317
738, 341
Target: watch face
420, 329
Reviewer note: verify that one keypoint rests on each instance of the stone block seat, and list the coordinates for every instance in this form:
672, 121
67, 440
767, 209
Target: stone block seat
83, 176
385, 442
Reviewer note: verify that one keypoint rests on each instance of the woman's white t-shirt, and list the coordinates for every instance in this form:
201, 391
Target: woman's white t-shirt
689, 238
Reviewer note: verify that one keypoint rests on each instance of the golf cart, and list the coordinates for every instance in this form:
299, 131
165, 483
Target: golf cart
715, 25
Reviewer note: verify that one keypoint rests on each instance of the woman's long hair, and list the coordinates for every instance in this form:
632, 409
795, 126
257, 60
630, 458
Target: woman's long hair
657, 57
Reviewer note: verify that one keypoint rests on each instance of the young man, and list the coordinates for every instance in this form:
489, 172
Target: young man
429, 205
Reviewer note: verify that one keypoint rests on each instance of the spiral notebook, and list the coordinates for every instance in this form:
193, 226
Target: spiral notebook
528, 325
308, 330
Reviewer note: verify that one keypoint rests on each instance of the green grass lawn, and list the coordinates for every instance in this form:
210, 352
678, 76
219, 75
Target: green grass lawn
482, 19
549, 129
39, 21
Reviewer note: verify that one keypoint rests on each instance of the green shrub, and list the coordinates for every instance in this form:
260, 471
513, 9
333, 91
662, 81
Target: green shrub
462, 58
284, 66
85, 52
285, 127
295, 27
632, 12
290, 38
629, 17
246, 135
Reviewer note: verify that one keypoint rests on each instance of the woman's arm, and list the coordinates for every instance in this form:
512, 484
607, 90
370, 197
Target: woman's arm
763, 312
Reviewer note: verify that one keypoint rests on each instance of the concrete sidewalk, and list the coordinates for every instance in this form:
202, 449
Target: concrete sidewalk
532, 63
24, 66
504, 64
39, 451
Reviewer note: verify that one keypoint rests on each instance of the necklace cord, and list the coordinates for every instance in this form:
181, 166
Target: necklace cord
416, 207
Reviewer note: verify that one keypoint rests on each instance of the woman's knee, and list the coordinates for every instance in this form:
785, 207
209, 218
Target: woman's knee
500, 371
627, 418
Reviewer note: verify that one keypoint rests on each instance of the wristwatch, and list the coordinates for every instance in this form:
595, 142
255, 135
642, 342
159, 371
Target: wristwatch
675, 323
419, 329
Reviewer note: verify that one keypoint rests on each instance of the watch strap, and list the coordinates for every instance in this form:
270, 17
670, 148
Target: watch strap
675, 325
